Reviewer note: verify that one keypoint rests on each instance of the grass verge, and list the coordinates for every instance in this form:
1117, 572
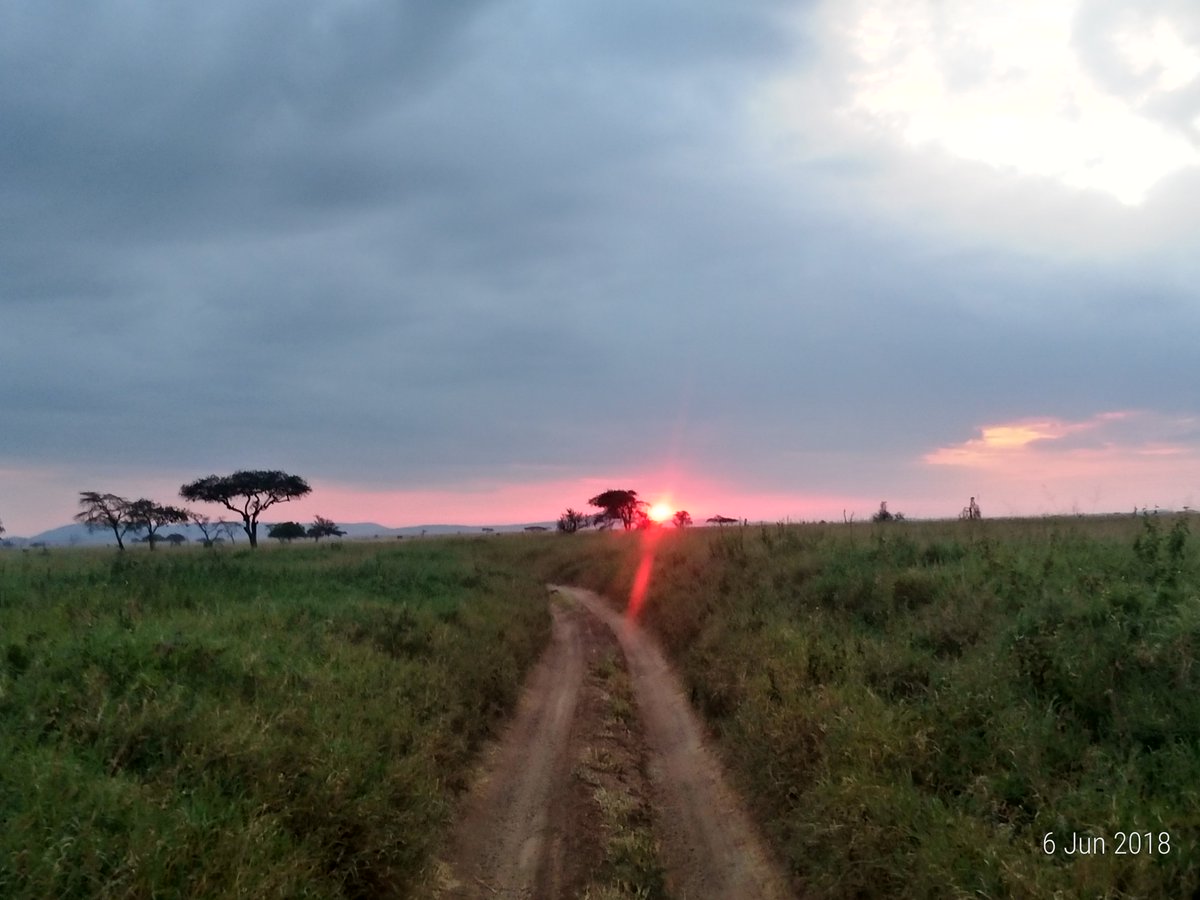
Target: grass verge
290, 722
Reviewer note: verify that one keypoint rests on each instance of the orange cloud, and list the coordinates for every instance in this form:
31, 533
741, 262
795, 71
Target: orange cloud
1001, 444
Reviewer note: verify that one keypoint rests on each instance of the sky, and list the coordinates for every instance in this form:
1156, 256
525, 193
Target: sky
476, 262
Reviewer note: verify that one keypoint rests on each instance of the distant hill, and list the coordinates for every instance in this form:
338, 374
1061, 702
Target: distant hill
79, 536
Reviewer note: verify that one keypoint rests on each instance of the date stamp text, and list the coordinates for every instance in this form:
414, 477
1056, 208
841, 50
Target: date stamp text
1120, 843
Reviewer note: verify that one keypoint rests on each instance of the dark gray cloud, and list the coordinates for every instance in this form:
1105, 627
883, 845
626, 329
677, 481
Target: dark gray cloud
409, 243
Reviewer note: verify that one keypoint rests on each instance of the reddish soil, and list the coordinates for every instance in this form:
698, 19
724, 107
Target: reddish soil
529, 827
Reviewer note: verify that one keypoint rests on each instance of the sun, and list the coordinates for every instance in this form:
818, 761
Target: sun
661, 512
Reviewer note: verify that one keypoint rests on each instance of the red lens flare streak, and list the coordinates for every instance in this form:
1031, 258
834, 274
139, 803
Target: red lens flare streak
641, 580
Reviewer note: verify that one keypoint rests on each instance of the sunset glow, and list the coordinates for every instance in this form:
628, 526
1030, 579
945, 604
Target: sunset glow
1108, 462
1105, 432
661, 512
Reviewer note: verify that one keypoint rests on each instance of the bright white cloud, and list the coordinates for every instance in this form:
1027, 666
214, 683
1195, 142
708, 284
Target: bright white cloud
1002, 84
1157, 50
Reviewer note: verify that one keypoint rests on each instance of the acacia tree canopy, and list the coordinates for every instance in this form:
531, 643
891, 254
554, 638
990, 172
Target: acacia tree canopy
286, 531
618, 505
247, 493
322, 527
148, 516
104, 511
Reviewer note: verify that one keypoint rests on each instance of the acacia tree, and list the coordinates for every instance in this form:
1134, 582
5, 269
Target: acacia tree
322, 527
104, 511
212, 530
148, 516
286, 531
720, 520
683, 518
247, 493
618, 506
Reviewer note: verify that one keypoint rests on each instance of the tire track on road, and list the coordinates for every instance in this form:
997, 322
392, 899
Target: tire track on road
500, 848
710, 845
530, 827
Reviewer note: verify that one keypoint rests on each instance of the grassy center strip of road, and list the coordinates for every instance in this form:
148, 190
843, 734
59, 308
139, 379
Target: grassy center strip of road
710, 845
559, 806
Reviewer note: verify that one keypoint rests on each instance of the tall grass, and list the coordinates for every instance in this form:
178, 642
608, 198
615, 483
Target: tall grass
292, 722
909, 707
912, 708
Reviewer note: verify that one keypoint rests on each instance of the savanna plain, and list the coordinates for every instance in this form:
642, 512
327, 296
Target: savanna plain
909, 709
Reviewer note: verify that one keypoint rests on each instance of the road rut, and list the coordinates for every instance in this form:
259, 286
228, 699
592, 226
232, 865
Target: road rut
520, 832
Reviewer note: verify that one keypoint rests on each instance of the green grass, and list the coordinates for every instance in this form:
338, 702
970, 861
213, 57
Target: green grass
911, 707
292, 722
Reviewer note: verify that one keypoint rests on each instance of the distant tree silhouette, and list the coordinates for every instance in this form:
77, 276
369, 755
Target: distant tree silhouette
247, 493
175, 539
571, 521
720, 520
104, 511
287, 531
682, 518
886, 515
617, 506
322, 527
148, 516
213, 530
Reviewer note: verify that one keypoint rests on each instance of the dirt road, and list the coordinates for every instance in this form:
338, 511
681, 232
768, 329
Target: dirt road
580, 790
